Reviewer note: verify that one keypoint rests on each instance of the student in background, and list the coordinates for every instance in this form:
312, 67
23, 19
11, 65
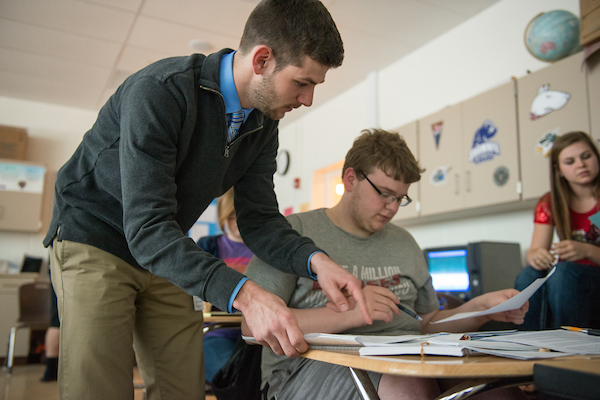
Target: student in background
357, 233
572, 294
219, 344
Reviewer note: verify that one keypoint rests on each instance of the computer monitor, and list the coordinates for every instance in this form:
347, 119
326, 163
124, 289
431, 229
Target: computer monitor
449, 270
466, 271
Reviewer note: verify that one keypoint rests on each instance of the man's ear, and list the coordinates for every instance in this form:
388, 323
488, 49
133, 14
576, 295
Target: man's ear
349, 179
262, 58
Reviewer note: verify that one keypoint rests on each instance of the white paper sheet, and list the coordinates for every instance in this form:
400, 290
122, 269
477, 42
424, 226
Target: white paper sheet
513, 303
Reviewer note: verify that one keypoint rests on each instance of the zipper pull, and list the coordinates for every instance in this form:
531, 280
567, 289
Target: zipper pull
227, 151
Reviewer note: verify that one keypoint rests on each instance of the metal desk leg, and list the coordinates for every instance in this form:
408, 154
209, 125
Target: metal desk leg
471, 387
363, 384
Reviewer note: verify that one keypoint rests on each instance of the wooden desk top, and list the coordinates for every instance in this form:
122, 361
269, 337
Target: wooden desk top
471, 366
229, 318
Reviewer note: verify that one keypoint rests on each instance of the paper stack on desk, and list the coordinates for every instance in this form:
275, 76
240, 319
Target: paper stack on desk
509, 344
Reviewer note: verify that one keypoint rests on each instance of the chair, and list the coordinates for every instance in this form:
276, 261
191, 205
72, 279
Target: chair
34, 313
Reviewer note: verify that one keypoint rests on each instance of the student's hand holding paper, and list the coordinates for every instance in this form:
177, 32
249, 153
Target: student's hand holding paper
513, 303
493, 299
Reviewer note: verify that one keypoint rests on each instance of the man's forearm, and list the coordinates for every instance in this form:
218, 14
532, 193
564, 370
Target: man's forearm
325, 320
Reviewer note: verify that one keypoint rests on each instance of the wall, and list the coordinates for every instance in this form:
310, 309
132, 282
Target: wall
54, 133
480, 54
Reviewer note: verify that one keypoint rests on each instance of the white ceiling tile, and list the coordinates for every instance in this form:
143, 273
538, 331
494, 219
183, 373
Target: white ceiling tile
127, 5
133, 58
34, 65
76, 52
52, 43
173, 39
70, 16
49, 91
409, 21
224, 16
467, 8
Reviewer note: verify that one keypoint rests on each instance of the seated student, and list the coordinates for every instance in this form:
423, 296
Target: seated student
218, 345
572, 295
356, 233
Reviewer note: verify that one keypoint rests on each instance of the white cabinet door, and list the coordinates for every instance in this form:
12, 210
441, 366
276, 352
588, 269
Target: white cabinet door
490, 147
440, 153
593, 80
552, 101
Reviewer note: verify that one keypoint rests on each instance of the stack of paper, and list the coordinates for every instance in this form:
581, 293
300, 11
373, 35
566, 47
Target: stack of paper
509, 344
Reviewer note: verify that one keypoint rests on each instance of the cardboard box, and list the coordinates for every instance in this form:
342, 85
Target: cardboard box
589, 28
13, 143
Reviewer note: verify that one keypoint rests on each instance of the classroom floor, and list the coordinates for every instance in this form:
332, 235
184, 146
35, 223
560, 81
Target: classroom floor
24, 384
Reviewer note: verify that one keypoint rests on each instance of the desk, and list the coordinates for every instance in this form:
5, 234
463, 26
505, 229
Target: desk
481, 372
218, 320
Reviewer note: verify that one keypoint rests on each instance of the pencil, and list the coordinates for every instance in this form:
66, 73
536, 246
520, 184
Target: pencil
410, 312
595, 332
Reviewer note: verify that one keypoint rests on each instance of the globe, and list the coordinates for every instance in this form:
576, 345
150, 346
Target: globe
553, 35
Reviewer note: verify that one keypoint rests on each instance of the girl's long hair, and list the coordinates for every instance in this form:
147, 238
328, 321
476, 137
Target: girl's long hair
560, 190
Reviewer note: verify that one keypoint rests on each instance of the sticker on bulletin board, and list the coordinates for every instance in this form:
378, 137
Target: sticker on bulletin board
22, 178
547, 101
501, 176
484, 148
439, 175
436, 131
545, 143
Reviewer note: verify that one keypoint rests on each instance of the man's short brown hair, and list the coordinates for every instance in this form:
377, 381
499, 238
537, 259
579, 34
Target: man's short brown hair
294, 29
388, 151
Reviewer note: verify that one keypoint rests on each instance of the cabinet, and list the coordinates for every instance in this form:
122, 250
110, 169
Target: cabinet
490, 148
470, 152
9, 312
552, 101
440, 153
593, 80
409, 133
21, 195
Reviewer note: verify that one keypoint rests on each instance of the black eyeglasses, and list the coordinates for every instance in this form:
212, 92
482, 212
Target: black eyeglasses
389, 198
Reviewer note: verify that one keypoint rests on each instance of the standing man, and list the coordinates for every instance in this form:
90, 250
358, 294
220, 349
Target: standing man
356, 232
174, 136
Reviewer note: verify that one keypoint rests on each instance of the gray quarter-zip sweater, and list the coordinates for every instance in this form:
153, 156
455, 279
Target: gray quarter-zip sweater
154, 160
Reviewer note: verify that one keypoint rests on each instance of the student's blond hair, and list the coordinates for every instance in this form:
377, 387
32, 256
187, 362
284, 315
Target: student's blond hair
225, 208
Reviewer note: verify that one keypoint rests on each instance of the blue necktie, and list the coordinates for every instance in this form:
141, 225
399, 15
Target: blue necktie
234, 125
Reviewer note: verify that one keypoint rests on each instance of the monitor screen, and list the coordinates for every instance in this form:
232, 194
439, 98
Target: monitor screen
448, 270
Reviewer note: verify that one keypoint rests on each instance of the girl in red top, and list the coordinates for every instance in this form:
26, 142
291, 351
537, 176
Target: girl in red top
572, 295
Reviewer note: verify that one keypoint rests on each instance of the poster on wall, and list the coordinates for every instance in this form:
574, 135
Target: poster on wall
436, 131
483, 147
22, 178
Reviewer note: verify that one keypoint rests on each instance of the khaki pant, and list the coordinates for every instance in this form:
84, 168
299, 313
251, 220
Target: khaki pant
108, 308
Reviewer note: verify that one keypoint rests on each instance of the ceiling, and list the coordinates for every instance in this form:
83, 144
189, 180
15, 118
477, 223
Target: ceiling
77, 52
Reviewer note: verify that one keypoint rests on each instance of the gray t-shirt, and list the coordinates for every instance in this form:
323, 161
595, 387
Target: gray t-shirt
390, 258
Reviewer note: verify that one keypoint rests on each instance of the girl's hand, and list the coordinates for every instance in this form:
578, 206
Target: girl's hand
570, 250
540, 259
